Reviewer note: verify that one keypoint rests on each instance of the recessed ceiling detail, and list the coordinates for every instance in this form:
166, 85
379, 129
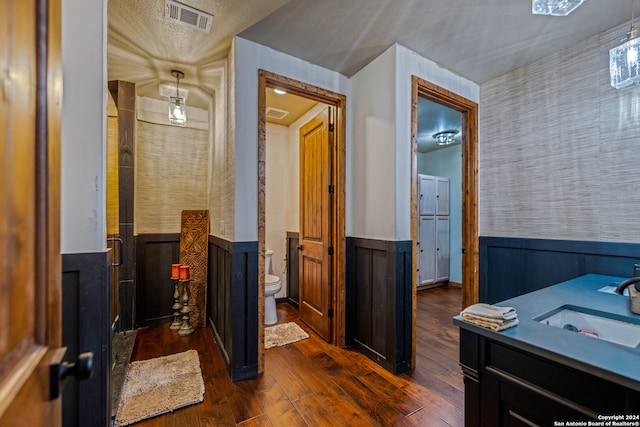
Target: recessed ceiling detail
170, 90
188, 15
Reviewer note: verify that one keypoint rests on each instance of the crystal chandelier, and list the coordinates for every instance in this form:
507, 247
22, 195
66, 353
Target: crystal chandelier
624, 64
554, 7
177, 107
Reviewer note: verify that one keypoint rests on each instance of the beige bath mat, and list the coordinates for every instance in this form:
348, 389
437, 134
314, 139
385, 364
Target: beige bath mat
156, 386
283, 334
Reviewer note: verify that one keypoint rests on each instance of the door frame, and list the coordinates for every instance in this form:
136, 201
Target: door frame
470, 262
338, 296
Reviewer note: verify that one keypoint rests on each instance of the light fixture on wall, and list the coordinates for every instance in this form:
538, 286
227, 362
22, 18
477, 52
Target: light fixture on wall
554, 7
177, 107
624, 60
445, 137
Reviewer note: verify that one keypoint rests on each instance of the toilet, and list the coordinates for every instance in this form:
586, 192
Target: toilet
271, 287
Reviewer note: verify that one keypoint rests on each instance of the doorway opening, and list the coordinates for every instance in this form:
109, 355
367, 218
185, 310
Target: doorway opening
334, 171
424, 90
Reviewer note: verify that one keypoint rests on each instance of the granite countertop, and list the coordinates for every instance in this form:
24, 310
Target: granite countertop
610, 361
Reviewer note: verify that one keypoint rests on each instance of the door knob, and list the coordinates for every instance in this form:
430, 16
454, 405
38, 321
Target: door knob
82, 369
59, 370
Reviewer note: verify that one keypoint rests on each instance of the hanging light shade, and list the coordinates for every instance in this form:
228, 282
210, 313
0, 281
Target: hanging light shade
177, 107
554, 7
624, 60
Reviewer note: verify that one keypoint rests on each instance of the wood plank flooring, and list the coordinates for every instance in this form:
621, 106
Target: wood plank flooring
311, 383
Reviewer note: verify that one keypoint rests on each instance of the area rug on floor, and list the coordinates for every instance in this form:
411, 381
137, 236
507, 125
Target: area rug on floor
156, 386
282, 334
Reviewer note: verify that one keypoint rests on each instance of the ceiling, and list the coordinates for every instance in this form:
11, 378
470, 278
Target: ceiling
477, 39
432, 118
295, 106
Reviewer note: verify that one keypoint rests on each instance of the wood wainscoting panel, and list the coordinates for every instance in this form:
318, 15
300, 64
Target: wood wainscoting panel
194, 249
514, 266
379, 304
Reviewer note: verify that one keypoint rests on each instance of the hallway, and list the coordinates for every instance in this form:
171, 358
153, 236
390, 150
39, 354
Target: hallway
310, 383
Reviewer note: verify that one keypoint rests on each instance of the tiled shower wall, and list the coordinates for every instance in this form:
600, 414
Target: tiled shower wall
558, 149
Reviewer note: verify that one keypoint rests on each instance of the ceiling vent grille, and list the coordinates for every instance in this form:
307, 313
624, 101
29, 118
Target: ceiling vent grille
274, 113
188, 15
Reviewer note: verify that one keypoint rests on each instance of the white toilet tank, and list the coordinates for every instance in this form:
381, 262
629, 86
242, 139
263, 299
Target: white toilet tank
267, 261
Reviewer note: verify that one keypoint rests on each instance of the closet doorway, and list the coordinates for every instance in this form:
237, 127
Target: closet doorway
426, 93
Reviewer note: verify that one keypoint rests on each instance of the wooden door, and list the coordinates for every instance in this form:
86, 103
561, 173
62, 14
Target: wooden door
30, 313
315, 223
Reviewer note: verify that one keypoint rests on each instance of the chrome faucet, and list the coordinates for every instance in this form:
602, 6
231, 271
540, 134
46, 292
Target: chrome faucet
631, 281
634, 292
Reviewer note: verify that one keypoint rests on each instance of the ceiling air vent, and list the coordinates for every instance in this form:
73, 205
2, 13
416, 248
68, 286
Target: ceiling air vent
188, 15
274, 113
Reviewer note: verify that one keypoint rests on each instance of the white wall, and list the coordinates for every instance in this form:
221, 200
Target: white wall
277, 191
559, 149
372, 197
381, 160
83, 153
247, 58
409, 63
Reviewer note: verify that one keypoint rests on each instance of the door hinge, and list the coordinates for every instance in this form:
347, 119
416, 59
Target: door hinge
330, 312
331, 189
330, 127
330, 250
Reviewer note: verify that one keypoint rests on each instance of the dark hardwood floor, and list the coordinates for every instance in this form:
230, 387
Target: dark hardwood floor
311, 383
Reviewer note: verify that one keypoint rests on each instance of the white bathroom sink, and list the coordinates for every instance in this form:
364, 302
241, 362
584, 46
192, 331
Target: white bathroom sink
611, 289
593, 323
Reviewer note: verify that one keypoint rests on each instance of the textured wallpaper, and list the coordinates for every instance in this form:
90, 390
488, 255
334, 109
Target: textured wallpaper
172, 167
559, 149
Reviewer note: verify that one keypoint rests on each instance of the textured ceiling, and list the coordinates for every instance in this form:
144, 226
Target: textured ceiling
144, 47
477, 39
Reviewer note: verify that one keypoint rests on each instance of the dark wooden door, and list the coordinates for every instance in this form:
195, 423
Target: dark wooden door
30, 310
315, 224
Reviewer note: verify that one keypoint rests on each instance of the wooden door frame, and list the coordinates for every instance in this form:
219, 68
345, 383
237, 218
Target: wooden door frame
338, 270
470, 262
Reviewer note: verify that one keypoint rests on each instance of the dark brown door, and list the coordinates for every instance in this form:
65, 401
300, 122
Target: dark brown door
315, 223
30, 309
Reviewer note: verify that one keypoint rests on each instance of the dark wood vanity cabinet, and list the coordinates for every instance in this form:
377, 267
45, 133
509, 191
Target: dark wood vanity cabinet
508, 386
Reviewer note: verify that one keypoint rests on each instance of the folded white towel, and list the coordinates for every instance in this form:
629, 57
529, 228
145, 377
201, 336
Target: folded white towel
494, 324
490, 311
490, 316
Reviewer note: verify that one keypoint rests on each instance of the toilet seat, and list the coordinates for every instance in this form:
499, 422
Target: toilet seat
271, 284
271, 287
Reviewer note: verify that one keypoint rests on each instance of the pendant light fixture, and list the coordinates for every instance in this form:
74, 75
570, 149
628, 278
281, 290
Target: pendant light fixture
624, 60
554, 7
177, 107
